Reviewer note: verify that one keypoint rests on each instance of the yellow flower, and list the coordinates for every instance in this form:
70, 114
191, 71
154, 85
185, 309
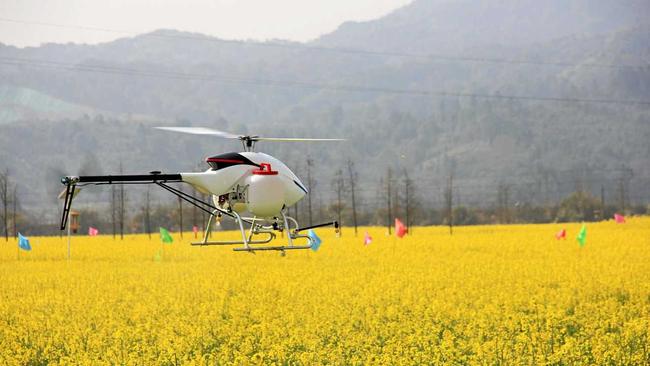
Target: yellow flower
486, 295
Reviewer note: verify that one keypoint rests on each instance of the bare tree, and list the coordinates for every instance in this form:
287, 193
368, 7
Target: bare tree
449, 201
295, 205
204, 198
311, 184
122, 210
352, 175
205, 215
4, 196
118, 208
194, 215
408, 206
147, 212
114, 209
396, 200
14, 211
503, 197
339, 183
180, 212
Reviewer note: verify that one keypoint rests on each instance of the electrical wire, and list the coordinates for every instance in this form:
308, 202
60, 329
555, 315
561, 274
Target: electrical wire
96, 68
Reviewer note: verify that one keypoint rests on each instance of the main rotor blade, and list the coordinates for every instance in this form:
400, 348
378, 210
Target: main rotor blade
226, 135
201, 131
292, 139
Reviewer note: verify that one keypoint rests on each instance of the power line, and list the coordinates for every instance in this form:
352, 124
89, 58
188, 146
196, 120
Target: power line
302, 84
297, 46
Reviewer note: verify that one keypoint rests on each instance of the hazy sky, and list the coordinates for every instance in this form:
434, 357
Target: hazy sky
298, 20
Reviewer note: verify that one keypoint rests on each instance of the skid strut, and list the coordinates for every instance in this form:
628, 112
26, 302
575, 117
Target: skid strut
246, 240
250, 244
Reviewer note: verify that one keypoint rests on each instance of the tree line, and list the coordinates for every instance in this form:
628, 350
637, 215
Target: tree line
397, 196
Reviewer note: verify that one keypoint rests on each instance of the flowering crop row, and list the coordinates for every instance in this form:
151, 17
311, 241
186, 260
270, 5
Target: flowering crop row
485, 295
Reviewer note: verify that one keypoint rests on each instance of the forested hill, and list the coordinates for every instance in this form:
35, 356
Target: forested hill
495, 91
436, 26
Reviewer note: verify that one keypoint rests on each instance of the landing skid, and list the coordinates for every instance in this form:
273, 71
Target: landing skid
279, 249
261, 227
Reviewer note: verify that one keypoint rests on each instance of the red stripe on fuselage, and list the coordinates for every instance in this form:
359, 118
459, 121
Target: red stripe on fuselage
216, 160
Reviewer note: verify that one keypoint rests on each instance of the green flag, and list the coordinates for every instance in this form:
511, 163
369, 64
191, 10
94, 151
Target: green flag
165, 237
582, 236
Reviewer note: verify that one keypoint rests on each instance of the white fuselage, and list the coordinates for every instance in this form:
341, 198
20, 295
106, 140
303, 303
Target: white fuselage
234, 173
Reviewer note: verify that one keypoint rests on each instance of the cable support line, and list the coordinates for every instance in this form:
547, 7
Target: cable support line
300, 46
302, 84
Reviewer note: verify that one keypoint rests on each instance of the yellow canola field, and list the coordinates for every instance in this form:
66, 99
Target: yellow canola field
485, 295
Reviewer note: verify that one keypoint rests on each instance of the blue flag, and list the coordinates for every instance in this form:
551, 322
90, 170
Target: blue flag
23, 242
315, 240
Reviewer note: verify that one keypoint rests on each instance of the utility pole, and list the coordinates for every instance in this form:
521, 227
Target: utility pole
623, 187
353, 179
621, 194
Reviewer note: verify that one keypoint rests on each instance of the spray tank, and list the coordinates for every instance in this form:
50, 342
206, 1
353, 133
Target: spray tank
265, 196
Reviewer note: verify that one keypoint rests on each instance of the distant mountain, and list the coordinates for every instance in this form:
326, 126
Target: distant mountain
102, 100
440, 26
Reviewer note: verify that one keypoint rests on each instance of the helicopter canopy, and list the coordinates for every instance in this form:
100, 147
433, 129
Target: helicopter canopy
228, 159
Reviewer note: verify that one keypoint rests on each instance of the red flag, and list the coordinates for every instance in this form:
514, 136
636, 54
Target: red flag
367, 239
561, 234
92, 231
620, 219
400, 228
195, 230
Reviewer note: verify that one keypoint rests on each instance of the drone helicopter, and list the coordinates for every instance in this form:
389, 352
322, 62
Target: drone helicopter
238, 183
